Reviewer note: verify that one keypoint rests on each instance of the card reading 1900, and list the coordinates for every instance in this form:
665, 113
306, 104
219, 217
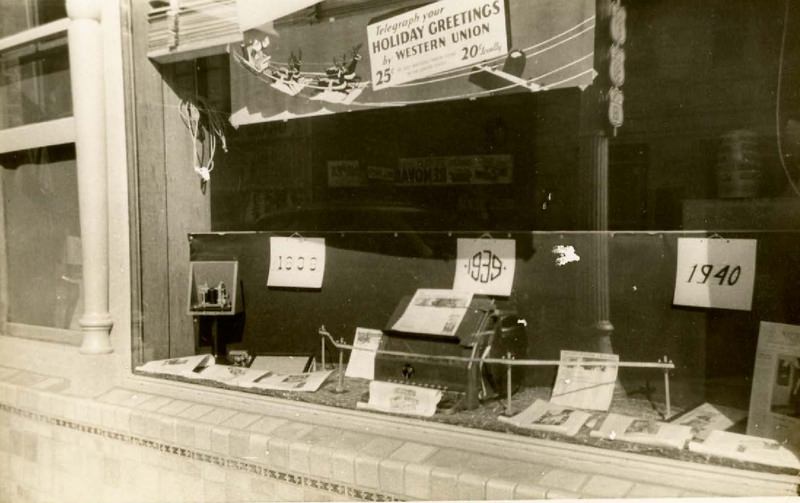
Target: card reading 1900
296, 262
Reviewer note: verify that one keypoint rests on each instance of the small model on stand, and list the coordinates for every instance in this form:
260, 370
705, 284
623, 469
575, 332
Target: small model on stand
213, 298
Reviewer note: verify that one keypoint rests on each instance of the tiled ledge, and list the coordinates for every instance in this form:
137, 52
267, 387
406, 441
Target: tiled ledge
372, 458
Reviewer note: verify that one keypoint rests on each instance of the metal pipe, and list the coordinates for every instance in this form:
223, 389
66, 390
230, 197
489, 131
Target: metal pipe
502, 361
508, 387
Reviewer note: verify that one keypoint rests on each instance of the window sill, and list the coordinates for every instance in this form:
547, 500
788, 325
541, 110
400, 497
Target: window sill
45, 334
544, 463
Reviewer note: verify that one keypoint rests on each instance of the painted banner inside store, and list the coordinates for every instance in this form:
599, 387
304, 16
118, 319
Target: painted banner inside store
314, 62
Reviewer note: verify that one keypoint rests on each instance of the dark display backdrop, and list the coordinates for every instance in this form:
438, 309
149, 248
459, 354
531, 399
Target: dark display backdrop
364, 281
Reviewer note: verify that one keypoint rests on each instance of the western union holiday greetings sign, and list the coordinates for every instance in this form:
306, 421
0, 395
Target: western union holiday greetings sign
436, 38
389, 54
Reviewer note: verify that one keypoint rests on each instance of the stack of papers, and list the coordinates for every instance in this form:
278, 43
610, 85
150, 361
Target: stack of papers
643, 431
746, 448
200, 23
545, 416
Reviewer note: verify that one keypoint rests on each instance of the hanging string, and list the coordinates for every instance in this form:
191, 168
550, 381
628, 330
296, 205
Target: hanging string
205, 126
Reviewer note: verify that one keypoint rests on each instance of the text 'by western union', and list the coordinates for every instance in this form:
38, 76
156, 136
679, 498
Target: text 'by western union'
436, 38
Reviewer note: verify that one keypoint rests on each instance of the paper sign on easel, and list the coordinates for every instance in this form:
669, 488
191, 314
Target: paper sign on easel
296, 262
485, 266
715, 273
362, 358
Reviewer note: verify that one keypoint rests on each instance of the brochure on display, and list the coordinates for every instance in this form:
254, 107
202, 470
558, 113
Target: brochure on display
183, 366
643, 431
305, 381
746, 448
230, 375
775, 393
585, 386
362, 358
546, 416
708, 417
401, 399
282, 364
434, 312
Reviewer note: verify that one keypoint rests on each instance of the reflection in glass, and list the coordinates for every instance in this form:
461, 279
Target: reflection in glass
35, 83
20, 15
42, 236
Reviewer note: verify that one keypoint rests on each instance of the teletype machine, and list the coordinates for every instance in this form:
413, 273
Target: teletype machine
489, 329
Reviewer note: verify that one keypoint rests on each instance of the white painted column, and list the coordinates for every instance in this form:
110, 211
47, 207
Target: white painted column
85, 37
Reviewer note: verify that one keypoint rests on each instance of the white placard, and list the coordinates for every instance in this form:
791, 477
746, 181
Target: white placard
485, 266
296, 262
435, 312
436, 38
715, 273
362, 358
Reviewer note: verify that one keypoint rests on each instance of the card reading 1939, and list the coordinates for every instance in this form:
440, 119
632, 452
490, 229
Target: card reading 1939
715, 273
296, 262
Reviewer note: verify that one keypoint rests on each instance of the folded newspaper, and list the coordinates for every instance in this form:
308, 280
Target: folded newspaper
546, 416
183, 366
401, 399
746, 448
707, 417
231, 375
643, 431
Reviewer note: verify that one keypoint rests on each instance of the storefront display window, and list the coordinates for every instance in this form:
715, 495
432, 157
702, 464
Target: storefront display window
41, 239
341, 227
42, 236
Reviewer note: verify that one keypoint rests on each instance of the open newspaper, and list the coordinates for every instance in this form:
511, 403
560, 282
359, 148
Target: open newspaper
183, 366
585, 386
775, 393
434, 312
546, 416
643, 431
707, 417
746, 448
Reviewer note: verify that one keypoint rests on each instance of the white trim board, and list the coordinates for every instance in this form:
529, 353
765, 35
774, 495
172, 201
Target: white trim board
40, 134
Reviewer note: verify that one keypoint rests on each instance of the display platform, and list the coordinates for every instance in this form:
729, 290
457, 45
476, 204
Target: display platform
630, 398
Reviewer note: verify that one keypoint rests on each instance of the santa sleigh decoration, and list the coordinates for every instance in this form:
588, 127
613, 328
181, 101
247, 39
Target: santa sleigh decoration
338, 84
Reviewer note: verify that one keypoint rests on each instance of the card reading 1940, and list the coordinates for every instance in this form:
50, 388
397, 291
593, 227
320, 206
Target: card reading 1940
716, 273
